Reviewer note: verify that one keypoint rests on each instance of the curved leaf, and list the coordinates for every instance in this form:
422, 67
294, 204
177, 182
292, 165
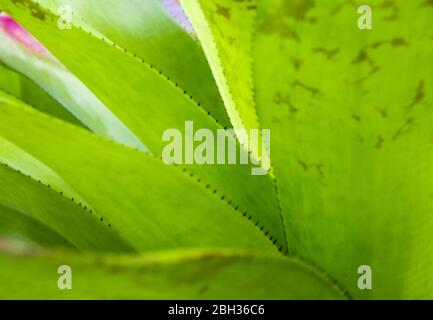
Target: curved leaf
10, 81
149, 104
53, 77
204, 274
225, 29
20, 160
27, 91
35, 208
152, 205
145, 29
16, 225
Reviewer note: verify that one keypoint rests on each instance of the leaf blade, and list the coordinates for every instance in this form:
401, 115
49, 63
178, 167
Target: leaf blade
353, 173
199, 274
144, 214
36, 207
102, 66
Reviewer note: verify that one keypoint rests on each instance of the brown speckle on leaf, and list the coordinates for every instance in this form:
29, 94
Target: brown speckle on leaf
391, 6
405, 128
300, 84
297, 9
223, 11
363, 57
379, 142
319, 168
377, 44
303, 164
297, 63
419, 95
230, 40
278, 22
35, 9
396, 42
356, 117
329, 53
382, 112
285, 100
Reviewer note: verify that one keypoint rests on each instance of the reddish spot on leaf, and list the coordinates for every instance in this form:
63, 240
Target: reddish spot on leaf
21, 35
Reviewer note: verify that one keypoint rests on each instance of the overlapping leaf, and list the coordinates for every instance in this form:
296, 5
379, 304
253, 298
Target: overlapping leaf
16, 225
145, 29
151, 205
350, 114
26, 90
225, 29
147, 103
34, 211
63, 86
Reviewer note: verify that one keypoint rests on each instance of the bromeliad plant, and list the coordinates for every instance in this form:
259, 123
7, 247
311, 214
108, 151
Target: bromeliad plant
351, 181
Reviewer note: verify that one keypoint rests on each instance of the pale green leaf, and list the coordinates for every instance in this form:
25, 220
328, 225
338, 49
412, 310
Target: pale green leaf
19, 86
63, 86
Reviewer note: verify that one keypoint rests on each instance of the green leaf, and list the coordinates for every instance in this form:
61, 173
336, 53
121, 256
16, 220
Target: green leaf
15, 157
225, 29
37, 212
199, 274
26, 90
145, 29
14, 224
152, 205
10, 81
350, 112
148, 104
63, 86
